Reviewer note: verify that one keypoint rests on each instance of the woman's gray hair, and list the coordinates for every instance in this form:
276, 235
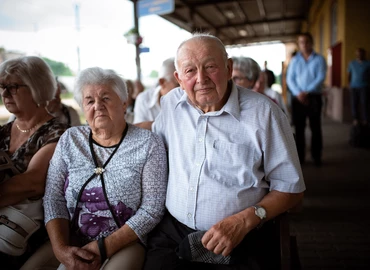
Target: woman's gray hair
35, 73
99, 76
246, 65
203, 37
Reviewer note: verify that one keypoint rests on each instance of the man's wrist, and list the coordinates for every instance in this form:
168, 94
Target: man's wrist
252, 221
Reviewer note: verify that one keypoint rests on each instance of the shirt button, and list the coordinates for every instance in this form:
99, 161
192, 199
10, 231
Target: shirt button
191, 188
189, 215
200, 140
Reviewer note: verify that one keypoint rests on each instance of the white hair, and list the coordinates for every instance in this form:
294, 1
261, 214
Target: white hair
167, 69
250, 69
99, 76
203, 37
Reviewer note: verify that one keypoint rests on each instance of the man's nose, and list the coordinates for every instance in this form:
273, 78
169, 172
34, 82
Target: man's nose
202, 76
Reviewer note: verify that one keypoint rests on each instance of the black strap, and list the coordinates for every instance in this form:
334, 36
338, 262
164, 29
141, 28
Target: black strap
99, 172
102, 250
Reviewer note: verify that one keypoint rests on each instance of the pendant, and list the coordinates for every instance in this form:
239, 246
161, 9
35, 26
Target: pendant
99, 170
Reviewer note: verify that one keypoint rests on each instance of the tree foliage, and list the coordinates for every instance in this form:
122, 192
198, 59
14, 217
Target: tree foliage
58, 68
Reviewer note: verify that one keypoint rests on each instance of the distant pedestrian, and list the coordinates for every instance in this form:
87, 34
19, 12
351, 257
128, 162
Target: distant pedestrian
270, 75
359, 82
305, 77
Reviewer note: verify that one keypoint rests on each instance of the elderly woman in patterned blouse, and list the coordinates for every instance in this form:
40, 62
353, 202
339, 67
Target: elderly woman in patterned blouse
106, 183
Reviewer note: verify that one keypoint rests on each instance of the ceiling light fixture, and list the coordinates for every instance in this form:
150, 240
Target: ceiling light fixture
243, 32
229, 14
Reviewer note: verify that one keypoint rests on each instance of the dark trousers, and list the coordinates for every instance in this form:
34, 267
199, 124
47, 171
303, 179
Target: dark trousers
258, 250
360, 96
300, 113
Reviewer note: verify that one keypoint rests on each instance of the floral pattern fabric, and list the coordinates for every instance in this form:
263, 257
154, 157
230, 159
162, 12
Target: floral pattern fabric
49, 132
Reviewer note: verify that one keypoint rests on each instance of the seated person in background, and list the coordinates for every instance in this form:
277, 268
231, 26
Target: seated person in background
138, 88
106, 184
233, 165
65, 114
130, 102
246, 71
147, 105
30, 139
262, 88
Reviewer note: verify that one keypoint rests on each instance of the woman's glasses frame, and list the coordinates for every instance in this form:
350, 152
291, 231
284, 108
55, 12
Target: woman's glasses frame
11, 88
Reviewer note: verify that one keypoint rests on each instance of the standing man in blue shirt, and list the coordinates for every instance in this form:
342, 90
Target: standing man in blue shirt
305, 77
358, 77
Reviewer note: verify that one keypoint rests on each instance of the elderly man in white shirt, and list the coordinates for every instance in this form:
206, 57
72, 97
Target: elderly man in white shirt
233, 166
147, 104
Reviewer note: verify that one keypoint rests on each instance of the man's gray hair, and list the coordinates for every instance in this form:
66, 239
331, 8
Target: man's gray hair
35, 73
167, 69
99, 76
203, 37
246, 65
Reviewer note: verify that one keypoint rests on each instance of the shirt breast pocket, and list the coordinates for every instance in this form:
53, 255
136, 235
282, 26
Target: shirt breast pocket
232, 163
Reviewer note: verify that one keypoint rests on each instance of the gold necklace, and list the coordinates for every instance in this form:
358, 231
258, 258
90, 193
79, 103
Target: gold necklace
27, 130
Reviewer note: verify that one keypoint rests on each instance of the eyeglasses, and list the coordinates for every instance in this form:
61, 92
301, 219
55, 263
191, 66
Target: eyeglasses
11, 88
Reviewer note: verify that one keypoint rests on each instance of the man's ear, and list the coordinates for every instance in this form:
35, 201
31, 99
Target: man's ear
230, 68
176, 74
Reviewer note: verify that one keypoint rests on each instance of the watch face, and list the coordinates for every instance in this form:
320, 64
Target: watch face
261, 212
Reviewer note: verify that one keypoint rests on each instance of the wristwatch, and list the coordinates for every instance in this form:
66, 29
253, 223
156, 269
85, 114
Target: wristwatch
260, 212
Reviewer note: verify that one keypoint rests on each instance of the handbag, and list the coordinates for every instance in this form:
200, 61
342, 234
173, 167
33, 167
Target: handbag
17, 222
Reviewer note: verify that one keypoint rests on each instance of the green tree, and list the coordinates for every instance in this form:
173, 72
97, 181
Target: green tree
153, 74
59, 68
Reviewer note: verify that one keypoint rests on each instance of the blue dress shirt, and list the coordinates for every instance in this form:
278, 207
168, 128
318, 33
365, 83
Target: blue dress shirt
358, 73
306, 75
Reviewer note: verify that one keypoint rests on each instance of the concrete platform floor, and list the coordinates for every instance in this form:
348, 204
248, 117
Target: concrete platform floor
333, 228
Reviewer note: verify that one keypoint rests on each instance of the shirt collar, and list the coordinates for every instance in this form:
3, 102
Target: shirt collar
231, 107
313, 53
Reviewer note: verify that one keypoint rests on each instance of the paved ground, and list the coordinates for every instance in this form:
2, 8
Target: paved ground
333, 228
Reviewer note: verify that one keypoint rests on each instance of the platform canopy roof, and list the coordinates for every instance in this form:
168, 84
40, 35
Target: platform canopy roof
242, 22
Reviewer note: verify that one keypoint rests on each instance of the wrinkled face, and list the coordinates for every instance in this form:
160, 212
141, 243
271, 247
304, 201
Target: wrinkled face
204, 74
241, 80
21, 100
260, 83
102, 107
305, 45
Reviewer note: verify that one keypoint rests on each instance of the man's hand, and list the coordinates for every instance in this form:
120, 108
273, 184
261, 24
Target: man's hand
224, 236
303, 98
78, 258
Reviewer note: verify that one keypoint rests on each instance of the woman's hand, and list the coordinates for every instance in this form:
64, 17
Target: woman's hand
78, 258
